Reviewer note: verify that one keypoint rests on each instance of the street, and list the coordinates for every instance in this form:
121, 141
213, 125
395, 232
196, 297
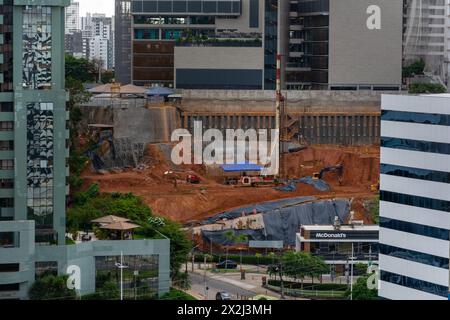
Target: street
216, 285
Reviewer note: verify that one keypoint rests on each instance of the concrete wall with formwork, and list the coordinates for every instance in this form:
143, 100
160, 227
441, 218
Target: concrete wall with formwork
319, 117
151, 123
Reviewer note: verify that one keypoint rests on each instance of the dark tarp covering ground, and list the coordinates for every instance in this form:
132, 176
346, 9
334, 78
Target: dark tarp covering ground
283, 222
260, 208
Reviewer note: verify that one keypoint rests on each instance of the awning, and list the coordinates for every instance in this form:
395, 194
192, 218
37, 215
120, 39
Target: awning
239, 167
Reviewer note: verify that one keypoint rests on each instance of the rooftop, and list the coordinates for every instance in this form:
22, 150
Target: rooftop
372, 227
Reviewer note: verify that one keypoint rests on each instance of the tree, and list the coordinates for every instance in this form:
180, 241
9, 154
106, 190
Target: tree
258, 257
51, 287
361, 290
317, 267
415, 68
91, 205
98, 66
229, 236
80, 69
419, 88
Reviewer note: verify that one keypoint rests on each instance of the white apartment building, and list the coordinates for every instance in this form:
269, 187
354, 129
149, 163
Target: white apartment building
425, 34
415, 197
98, 50
72, 21
97, 32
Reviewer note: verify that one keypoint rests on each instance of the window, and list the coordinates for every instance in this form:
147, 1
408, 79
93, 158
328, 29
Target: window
416, 117
6, 126
414, 256
414, 228
6, 107
415, 145
141, 274
6, 145
6, 183
9, 267
9, 287
40, 164
414, 283
46, 268
415, 201
415, 173
37, 47
6, 164
9, 239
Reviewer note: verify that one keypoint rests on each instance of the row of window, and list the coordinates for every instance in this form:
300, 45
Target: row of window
415, 145
174, 20
415, 173
415, 201
219, 7
416, 117
414, 228
414, 256
414, 283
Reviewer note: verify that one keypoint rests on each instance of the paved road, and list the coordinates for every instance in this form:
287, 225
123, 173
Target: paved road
215, 285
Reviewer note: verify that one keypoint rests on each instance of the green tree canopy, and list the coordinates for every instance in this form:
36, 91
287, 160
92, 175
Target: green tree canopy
51, 287
91, 204
361, 290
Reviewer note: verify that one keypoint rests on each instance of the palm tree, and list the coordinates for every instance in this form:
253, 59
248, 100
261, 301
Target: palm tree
258, 257
229, 236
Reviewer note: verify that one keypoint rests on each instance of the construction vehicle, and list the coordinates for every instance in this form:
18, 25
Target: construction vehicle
258, 181
192, 179
375, 187
337, 169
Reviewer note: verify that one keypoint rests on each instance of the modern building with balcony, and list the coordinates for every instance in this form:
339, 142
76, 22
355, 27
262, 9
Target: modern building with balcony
34, 160
232, 44
229, 44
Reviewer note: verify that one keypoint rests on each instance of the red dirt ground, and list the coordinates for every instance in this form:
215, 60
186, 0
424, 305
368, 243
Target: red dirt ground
184, 203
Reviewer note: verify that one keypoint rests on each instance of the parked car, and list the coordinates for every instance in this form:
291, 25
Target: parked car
226, 264
222, 295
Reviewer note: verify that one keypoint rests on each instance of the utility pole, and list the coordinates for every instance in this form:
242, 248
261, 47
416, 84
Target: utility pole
351, 273
121, 266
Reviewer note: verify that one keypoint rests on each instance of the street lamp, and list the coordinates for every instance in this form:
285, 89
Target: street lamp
121, 266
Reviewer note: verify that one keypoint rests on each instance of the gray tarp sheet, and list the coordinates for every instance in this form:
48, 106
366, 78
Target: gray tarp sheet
292, 185
283, 223
260, 208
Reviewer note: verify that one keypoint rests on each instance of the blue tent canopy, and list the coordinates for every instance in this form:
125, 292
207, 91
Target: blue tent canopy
238, 167
159, 91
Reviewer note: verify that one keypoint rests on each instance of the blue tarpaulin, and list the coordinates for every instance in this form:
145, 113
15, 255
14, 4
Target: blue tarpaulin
159, 91
239, 167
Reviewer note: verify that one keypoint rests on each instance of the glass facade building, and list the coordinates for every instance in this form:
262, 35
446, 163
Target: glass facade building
415, 197
33, 163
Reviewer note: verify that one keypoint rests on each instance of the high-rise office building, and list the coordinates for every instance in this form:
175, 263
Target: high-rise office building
34, 163
73, 17
233, 44
415, 197
122, 41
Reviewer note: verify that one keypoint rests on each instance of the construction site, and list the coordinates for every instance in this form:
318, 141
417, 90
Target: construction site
334, 172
